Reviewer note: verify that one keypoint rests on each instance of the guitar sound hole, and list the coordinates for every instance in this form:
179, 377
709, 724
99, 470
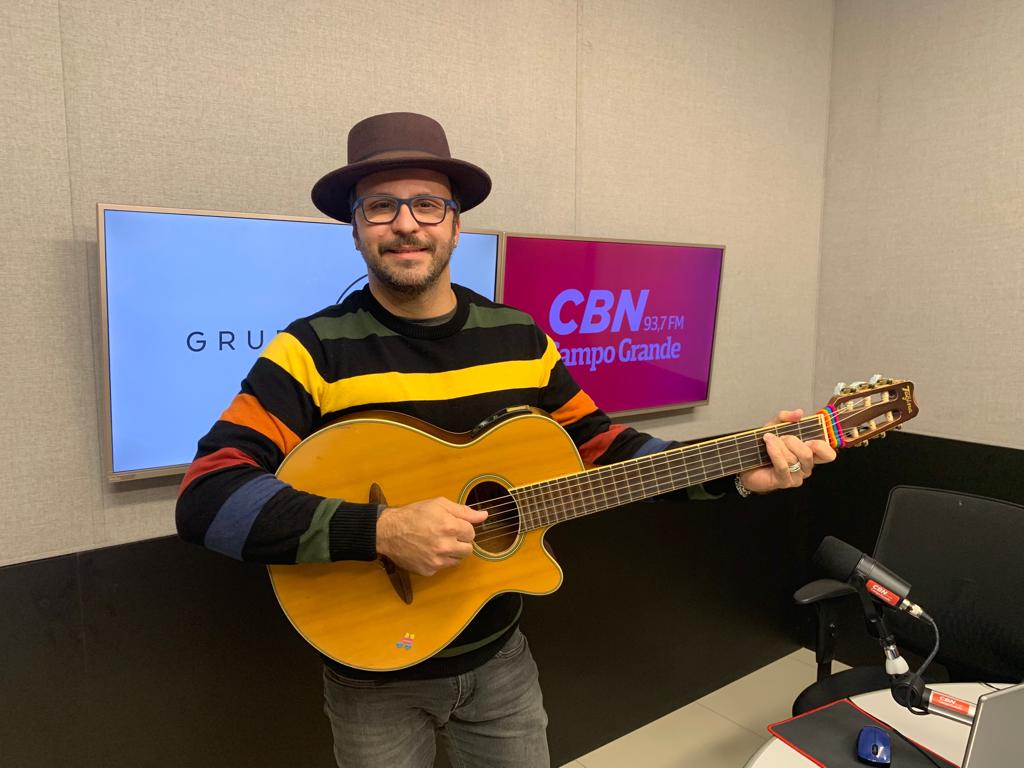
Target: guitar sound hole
498, 533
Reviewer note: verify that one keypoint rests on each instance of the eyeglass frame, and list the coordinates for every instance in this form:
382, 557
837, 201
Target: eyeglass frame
357, 204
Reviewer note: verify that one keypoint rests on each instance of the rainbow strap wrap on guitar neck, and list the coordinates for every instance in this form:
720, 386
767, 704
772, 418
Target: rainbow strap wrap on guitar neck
835, 432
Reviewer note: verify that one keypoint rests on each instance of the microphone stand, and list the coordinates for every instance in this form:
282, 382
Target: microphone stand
895, 664
908, 688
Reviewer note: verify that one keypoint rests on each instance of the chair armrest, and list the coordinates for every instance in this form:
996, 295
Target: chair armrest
823, 594
822, 589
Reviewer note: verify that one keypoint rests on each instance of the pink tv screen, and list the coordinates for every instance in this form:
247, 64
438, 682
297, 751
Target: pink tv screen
634, 322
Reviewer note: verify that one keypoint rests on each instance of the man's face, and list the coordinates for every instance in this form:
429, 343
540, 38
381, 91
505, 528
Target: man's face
405, 256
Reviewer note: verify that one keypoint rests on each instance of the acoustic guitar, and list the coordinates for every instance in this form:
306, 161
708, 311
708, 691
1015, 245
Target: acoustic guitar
526, 472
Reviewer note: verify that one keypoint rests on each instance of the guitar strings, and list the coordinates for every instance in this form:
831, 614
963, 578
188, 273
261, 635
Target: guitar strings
506, 511
673, 463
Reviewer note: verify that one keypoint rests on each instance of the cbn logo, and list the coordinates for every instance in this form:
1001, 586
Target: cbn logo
601, 310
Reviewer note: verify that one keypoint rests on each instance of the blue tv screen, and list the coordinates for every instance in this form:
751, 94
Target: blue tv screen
190, 298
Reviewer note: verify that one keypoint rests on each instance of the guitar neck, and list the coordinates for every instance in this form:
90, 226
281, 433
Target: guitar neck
570, 496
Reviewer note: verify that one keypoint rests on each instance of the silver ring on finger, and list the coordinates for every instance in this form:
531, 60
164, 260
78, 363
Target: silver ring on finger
795, 467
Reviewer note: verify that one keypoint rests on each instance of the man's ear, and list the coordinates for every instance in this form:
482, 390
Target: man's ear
457, 227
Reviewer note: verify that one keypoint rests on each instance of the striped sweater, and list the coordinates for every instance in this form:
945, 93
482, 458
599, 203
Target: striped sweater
354, 357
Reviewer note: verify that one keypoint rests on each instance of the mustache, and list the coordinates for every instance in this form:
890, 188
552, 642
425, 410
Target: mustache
405, 242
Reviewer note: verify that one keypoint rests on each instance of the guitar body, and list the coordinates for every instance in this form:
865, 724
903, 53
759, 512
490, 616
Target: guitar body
351, 611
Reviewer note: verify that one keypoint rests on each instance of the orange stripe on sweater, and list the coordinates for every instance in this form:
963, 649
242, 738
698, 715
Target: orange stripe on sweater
222, 459
246, 411
579, 405
591, 450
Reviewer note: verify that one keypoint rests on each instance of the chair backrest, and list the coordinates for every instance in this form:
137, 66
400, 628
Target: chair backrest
964, 558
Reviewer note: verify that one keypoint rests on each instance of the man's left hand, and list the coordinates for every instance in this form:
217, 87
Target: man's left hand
786, 452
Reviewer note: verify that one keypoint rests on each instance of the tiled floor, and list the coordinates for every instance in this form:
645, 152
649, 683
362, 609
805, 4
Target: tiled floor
721, 730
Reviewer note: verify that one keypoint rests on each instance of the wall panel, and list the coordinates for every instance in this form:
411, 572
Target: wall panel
51, 492
924, 210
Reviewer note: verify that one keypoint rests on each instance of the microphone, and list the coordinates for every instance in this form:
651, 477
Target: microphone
841, 561
910, 691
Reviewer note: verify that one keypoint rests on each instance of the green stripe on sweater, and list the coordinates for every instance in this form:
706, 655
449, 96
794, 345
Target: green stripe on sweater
354, 325
495, 317
314, 544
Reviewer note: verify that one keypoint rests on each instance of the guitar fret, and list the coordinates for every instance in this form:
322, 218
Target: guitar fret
537, 499
627, 478
632, 483
673, 467
701, 474
550, 513
598, 486
564, 498
557, 505
606, 488
739, 459
651, 485
612, 476
576, 496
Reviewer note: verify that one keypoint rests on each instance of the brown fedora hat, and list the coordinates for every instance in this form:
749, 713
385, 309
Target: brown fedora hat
397, 140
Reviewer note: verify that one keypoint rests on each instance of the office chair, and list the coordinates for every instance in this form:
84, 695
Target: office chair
964, 558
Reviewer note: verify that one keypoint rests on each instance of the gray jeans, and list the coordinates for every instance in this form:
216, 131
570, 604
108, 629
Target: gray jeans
493, 716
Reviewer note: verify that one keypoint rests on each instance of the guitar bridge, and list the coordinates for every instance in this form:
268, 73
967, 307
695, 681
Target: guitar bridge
398, 577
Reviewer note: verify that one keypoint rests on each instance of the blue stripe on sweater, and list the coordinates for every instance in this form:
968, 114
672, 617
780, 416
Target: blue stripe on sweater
654, 445
230, 528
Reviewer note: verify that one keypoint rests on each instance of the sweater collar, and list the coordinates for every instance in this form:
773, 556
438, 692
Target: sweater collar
415, 330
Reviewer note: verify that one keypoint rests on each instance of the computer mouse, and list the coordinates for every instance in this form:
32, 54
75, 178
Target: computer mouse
873, 746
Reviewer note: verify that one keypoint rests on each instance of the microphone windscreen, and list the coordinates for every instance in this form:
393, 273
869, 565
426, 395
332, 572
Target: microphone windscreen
836, 558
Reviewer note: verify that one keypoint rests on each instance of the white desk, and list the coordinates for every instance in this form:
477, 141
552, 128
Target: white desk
944, 737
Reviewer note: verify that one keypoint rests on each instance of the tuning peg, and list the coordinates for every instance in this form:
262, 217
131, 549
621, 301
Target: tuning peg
840, 388
875, 379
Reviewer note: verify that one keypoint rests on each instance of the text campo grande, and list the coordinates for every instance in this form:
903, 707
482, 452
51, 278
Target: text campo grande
626, 351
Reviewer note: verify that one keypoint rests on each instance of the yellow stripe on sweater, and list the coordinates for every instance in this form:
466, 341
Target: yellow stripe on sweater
392, 387
288, 352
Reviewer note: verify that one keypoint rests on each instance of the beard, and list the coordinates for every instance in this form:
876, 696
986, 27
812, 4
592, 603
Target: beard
401, 280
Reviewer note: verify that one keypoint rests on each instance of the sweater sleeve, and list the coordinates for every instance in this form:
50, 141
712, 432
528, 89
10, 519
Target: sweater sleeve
231, 502
597, 439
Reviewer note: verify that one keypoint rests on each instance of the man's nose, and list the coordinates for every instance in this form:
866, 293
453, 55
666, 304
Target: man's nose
405, 221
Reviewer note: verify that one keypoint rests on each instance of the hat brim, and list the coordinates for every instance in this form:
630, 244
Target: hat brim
332, 193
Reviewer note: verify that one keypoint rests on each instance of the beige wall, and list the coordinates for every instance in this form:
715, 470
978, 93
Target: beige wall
922, 269
701, 121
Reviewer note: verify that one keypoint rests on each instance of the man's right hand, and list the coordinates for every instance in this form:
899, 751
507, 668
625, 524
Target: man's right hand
426, 536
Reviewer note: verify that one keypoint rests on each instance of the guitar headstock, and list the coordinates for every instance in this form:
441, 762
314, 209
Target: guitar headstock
864, 410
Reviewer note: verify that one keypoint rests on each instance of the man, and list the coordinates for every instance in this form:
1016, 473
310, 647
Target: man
414, 343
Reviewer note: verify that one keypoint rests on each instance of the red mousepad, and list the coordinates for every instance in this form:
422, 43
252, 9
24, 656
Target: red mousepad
828, 737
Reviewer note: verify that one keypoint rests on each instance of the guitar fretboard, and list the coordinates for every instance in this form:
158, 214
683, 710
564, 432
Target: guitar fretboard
570, 496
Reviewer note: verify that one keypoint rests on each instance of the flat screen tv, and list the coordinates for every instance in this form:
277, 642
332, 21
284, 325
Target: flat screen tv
634, 321
188, 300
